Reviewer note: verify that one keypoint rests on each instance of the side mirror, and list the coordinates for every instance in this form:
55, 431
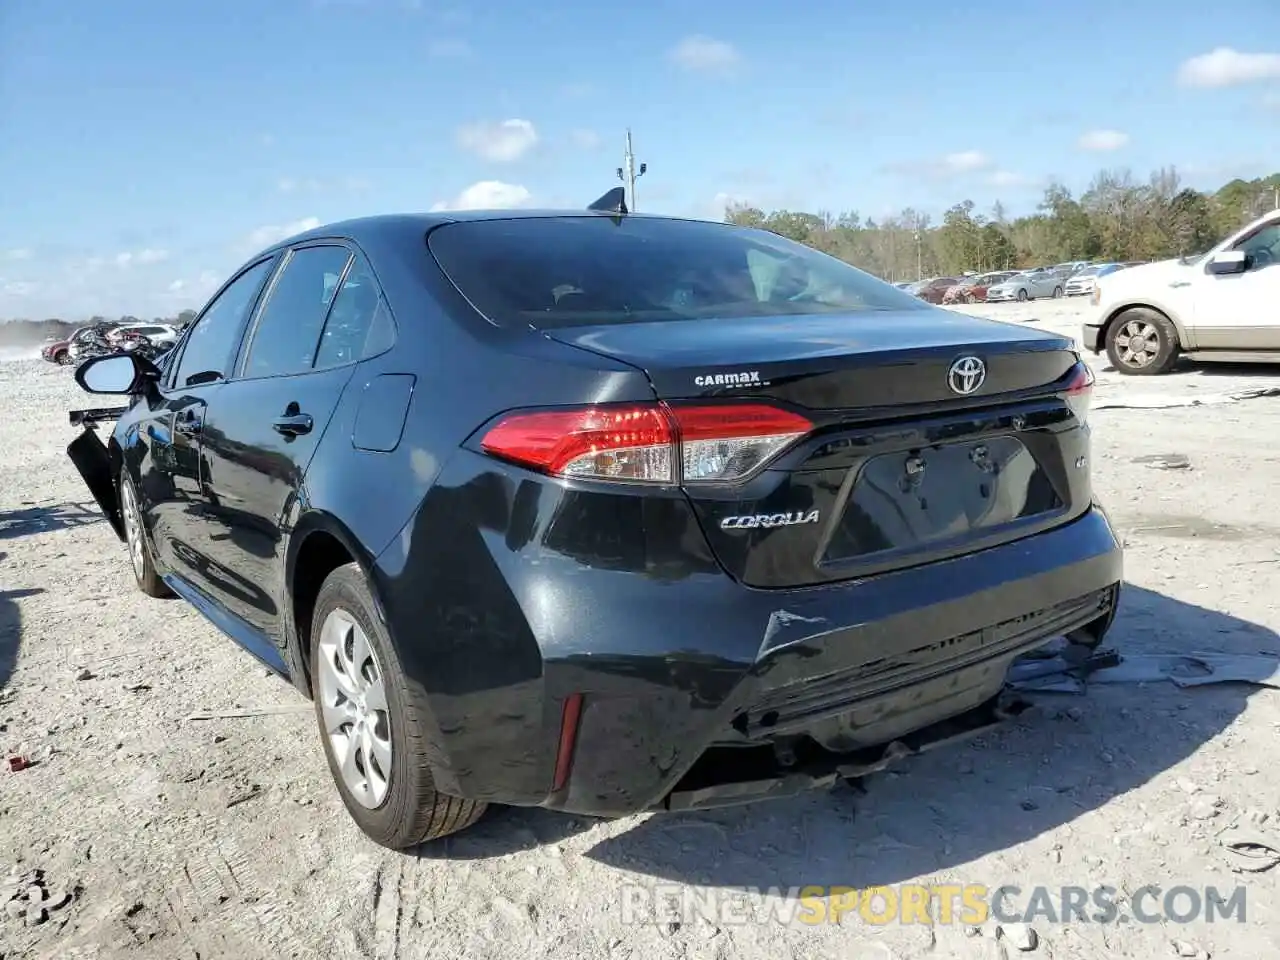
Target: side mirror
117, 373
1229, 261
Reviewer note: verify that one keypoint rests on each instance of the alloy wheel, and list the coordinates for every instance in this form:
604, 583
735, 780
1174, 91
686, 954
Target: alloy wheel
133, 528
353, 702
1138, 343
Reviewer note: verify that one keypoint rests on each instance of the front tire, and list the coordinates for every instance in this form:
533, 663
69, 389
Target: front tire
1142, 343
1022, 296
373, 736
1057, 292
140, 556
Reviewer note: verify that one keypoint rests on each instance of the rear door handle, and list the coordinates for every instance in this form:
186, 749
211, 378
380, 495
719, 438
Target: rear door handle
293, 425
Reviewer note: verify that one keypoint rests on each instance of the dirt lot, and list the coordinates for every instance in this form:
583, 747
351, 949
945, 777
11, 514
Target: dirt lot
178, 838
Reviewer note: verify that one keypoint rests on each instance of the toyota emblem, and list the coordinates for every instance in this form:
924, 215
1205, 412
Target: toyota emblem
966, 375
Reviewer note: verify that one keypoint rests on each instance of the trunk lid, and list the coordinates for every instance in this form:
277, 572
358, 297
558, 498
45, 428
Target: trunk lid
849, 362
900, 468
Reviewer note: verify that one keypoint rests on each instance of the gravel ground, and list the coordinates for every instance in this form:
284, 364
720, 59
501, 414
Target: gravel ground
158, 834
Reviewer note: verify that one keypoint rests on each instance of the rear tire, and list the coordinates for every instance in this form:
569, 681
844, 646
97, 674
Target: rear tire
62, 358
142, 560
367, 718
1141, 342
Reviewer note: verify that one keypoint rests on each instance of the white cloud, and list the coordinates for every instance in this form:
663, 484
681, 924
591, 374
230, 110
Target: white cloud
274, 233
704, 55
1227, 67
966, 161
19, 253
1101, 141
1009, 178
487, 195
961, 163
500, 142
177, 286
142, 257
18, 288
585, 139
312, 185
449, 49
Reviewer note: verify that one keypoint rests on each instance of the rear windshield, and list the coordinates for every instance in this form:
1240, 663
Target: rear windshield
567, 271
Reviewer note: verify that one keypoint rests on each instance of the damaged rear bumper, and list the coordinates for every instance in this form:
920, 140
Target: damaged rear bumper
704, 692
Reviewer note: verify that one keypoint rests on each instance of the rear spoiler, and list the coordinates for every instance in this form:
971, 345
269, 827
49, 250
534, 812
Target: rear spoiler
95, 415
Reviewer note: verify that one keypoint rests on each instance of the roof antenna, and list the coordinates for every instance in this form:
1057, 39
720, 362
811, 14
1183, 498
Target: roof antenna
615, 201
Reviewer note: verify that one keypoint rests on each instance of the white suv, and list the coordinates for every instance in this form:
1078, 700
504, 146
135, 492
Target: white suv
1221, 305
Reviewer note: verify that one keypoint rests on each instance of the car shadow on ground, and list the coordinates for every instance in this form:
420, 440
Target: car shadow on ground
1069, 757
28, 520
10, 626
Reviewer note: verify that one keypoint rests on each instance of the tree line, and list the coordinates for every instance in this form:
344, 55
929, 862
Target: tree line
1118, 217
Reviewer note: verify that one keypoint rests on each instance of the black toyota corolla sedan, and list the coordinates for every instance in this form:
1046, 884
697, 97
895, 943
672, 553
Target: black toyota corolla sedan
604, 512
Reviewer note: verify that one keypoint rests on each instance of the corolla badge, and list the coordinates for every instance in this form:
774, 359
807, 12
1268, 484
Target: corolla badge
768, 520
966, 375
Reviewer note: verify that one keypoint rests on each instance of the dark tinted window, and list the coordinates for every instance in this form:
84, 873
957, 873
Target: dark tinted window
359, 324
210, 349
290, 321
557, 271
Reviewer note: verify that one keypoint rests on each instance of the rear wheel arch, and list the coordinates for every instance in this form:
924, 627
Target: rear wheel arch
318, 545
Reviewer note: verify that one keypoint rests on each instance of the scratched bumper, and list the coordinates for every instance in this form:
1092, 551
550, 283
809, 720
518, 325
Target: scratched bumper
858, 665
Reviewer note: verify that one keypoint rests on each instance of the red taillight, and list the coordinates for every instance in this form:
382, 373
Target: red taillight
648, 443
1079, 390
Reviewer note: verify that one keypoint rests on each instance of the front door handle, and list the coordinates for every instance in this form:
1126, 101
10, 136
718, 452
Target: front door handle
293, 425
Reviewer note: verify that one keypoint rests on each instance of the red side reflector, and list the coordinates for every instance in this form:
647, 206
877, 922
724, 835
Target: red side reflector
568, 740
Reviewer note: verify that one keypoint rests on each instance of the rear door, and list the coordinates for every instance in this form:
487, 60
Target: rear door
260, 436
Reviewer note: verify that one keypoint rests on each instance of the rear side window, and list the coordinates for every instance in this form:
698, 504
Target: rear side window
359, 324
289, 322
563, 271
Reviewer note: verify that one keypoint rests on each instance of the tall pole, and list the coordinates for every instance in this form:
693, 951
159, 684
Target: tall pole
628, 172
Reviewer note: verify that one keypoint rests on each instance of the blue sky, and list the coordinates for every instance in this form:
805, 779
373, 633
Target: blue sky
147, 147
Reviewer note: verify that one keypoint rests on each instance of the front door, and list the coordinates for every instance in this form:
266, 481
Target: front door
1241, 311
175, 489
261, 435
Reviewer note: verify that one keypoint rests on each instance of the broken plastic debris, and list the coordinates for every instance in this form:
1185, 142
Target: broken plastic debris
1162, 401
1185, 670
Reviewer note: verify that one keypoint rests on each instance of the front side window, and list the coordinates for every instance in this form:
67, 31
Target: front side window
1263, 247
563, 271
209, 351
289, 322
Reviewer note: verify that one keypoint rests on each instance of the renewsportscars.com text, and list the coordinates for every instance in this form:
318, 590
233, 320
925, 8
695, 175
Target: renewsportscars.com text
966, 904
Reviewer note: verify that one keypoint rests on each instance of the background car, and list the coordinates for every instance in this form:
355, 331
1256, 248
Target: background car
974, 290
932, 291
1223, 305
1082, 282
160, 334
1028, 285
